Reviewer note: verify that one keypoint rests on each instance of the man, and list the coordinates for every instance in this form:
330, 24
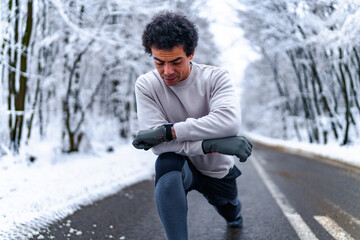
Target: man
190, 119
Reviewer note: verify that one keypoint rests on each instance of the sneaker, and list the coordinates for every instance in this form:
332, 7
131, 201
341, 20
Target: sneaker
236, 224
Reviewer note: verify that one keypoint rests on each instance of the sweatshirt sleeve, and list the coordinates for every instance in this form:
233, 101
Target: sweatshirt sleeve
187, 148
151, 115
223, 119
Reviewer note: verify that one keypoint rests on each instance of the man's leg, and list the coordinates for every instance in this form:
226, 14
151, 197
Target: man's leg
222, 194
226, 201
231, 211
173, 178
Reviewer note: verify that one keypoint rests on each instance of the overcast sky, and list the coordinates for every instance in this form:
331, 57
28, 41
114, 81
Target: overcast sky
236, 51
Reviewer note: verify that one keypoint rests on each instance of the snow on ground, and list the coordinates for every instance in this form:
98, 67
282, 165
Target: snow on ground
349, 155
32, 195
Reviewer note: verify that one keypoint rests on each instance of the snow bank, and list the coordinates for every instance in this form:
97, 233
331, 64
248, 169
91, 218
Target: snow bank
349, 155
33, 195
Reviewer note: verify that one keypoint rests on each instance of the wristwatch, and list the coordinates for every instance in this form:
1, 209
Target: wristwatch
168, 132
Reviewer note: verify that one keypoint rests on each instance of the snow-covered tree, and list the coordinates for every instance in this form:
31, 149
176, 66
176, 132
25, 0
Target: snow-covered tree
312, 49
68, 68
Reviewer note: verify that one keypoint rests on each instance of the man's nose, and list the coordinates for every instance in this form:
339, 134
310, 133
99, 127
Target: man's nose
168, 70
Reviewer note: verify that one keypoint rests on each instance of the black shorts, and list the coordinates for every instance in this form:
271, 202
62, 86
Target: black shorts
217, 191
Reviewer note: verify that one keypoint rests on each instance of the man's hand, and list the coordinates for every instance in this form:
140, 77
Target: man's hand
146, 139
238, 146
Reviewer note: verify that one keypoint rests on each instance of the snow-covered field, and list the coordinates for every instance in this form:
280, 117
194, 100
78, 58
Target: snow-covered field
32, 195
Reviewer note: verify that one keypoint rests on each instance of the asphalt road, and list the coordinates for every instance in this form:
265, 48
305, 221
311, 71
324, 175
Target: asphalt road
283, 197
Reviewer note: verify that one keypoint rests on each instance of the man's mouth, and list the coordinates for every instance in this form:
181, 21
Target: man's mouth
170, 79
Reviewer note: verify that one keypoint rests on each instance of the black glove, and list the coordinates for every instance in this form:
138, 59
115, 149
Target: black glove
238, 146
146, 139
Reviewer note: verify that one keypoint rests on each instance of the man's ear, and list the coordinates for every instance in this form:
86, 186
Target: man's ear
191, 56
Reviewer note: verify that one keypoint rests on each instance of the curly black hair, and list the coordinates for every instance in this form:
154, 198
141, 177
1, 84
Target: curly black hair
167, 30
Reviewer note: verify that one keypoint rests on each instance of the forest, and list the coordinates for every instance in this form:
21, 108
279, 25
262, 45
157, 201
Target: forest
306, 84
68, 68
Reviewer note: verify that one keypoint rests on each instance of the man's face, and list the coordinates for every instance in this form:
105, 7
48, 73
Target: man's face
173, 65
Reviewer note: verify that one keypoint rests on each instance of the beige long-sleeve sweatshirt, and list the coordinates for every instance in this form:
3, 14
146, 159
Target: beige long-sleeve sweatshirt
203, 106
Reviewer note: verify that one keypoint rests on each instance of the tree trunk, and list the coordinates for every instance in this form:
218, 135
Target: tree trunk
33, 109
18, 72
314, 128
352, 86
344, 87
303, 93
73, 134
12, 60
356, 54
24, 58
332, 110
283, 92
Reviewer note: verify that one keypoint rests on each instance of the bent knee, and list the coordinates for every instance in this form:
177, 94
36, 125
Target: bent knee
168, 162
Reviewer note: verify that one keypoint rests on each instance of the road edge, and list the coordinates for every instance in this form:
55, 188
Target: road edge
308, 154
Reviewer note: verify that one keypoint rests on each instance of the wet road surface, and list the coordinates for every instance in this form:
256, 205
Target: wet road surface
275, 188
